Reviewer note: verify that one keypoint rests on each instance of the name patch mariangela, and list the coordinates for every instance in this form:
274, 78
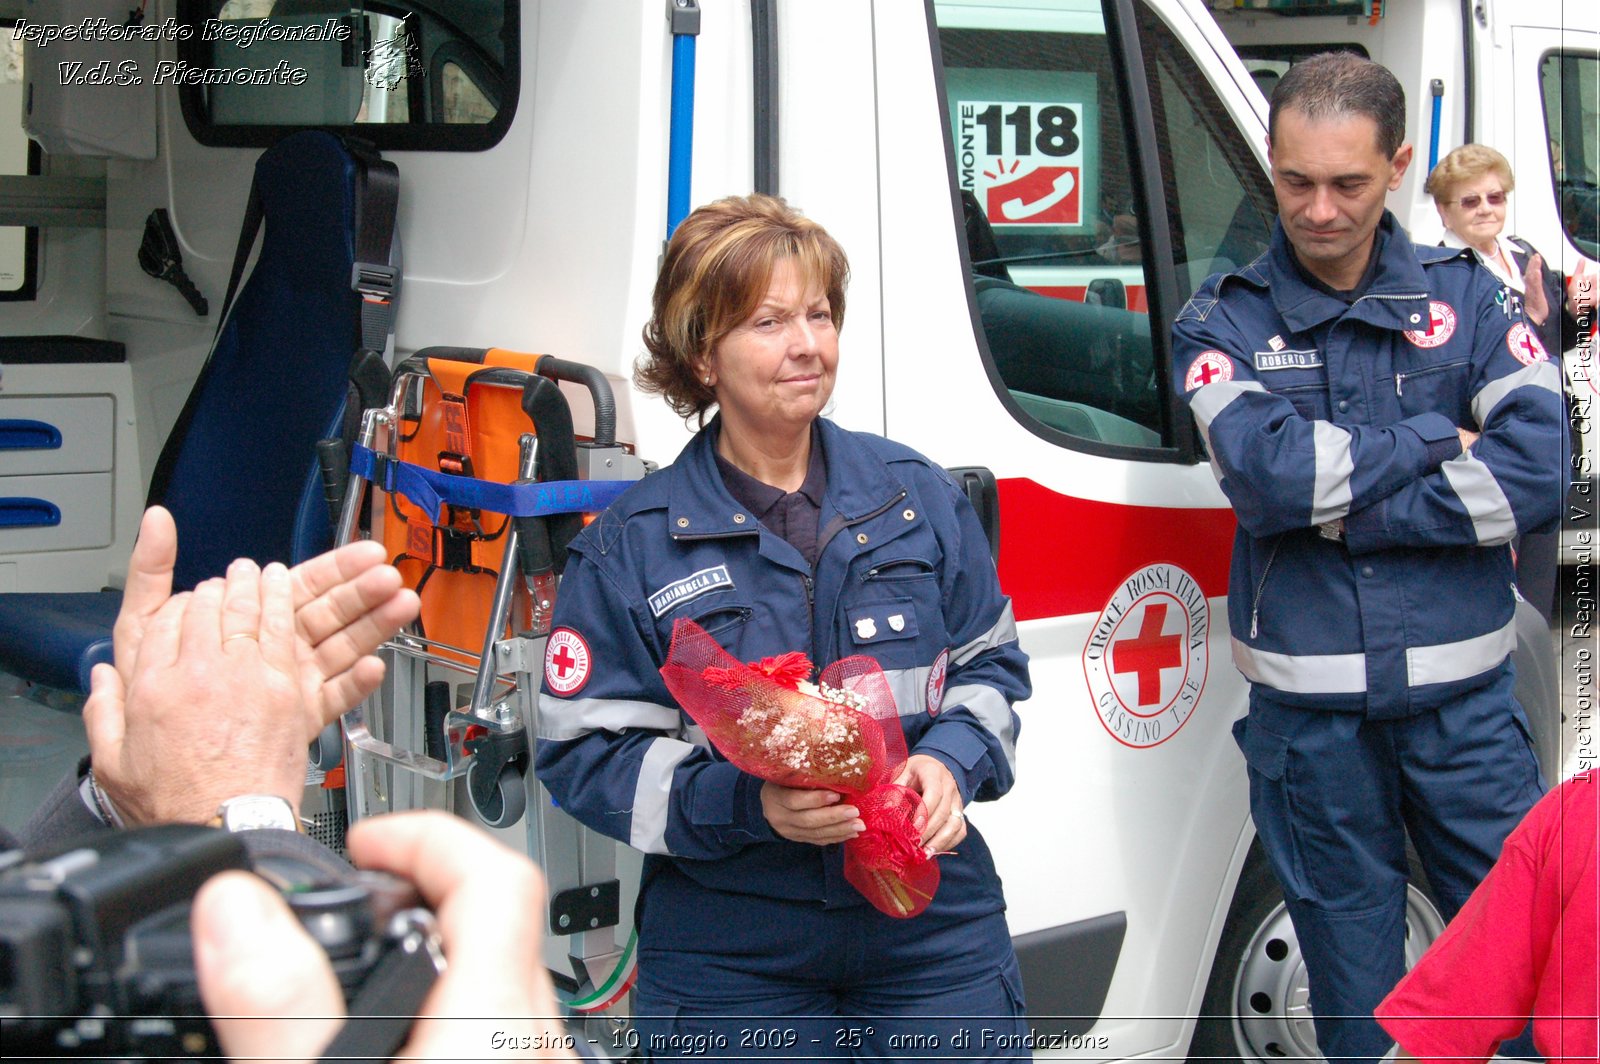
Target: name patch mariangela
1287, 360
692, 586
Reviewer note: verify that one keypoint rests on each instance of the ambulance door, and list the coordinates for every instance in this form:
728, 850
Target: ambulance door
1557, 206
1087, 175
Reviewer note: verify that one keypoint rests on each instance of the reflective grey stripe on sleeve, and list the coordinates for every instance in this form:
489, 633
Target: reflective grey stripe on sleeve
1335, 466
910, 689
1211, 399
561, 719
1538, 375
992, 711
648, 828
1004, 630
694, 735
1445, 662
1311, 674
1474, 484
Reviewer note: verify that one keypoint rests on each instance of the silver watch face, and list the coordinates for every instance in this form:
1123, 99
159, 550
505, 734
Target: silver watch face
254, 811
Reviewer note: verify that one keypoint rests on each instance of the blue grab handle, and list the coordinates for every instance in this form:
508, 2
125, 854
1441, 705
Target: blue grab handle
1437, 88
20, 512
23, 434
680, 144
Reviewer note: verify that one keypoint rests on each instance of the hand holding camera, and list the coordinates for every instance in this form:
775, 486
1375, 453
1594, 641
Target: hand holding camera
254, 959
103, 955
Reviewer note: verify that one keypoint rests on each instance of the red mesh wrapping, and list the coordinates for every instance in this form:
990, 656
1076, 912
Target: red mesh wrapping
757, 718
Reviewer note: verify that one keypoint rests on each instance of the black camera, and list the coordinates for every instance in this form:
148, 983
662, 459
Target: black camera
96, 958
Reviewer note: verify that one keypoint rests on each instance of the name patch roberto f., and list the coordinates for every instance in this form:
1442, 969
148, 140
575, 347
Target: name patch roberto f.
1266, 360
690, 587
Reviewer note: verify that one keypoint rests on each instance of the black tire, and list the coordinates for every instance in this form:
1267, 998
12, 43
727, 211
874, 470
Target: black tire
1538, 689
1256, 1005
509, 800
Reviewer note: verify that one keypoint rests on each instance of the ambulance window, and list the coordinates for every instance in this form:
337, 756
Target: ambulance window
404, 74
19, 244
1219, 202
1042, 166
1571, 88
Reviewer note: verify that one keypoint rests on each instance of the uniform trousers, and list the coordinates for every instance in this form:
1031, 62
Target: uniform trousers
1334, 796
748, 977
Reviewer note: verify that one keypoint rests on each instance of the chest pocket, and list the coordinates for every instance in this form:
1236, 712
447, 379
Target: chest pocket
1299, 373
1306, 389
895, 613
1443, 387
724, 619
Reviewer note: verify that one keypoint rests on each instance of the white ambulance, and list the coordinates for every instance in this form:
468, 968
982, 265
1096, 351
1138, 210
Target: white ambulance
1028, 191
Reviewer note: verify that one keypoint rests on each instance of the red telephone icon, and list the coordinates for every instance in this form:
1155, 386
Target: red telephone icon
1047, 195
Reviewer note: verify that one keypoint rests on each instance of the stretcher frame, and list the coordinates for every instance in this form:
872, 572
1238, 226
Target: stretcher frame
486, 739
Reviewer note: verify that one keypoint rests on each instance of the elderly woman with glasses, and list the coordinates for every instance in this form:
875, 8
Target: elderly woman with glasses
1470, 188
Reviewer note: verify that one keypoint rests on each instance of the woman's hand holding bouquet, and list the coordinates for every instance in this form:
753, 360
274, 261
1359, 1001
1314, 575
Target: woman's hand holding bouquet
841, 734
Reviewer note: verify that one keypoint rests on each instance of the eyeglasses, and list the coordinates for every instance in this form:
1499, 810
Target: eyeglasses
1470, 203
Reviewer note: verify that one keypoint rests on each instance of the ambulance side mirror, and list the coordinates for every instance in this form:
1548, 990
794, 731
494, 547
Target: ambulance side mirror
979, 484
1107, 292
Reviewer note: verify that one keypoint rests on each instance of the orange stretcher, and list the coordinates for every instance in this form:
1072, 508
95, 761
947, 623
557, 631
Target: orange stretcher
474, 480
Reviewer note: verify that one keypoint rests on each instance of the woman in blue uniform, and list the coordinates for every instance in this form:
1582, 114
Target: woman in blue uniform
776, 531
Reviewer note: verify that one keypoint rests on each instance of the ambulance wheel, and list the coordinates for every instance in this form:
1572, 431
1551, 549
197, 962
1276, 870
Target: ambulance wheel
1256, 1007
508, 801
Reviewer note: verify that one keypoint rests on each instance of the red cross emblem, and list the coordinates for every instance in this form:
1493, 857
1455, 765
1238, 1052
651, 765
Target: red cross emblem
1146, 657
1524, 345
1441, 326
566, 662
1149, 652
1209, 367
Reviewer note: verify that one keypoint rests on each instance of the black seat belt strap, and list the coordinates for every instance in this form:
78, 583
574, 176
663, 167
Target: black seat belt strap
248, 231
372, 275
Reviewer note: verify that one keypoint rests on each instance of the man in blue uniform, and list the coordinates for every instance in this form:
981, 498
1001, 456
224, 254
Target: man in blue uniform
1383, 430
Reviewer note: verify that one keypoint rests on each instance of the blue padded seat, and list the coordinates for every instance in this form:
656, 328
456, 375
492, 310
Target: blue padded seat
56, 639
239, 469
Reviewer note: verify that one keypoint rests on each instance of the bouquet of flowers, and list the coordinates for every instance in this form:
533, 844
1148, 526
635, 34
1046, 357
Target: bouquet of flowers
841, 734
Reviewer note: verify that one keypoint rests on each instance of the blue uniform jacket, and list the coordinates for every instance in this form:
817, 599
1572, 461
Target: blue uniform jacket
1315, 410
903, 574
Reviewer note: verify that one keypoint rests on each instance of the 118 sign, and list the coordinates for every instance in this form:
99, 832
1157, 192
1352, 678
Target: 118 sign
1057, 133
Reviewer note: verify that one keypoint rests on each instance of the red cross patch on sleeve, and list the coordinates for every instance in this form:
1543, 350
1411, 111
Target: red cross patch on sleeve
566, 662
1524, 345
1209, 367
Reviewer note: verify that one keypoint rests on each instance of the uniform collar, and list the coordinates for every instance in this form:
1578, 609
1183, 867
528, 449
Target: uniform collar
699, 503
1399, 285
1508, 249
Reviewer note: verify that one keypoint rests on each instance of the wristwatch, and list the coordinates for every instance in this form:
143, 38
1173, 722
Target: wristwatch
248, 812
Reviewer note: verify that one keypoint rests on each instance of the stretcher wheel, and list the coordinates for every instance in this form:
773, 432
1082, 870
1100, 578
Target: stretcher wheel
508, 802
327, 749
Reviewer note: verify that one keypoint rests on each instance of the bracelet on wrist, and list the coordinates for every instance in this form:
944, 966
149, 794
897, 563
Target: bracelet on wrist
102, 802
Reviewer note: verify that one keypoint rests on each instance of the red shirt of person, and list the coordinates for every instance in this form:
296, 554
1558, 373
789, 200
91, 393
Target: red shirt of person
1525, 944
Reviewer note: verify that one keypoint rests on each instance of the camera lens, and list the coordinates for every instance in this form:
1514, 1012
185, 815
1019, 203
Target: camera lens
337, 916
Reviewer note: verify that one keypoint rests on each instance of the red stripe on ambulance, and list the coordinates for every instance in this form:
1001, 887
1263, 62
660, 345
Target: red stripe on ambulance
1061, 555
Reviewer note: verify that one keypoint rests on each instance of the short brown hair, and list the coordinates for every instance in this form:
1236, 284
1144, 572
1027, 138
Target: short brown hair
1467, 163
716, 271
1337, 85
